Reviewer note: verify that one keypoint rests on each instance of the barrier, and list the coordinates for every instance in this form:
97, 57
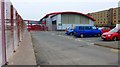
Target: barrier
12, 29
0, 33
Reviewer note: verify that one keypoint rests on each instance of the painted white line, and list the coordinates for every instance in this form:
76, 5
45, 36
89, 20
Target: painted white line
89, 40
114, 50
92, 43
70, 38
52, 34
78, 40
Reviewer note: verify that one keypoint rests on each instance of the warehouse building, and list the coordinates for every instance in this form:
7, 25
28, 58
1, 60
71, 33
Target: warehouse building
63, 20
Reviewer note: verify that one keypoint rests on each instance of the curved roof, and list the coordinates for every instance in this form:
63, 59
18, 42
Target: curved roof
55, 13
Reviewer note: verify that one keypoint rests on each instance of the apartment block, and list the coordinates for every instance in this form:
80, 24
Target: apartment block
119, 12
106, 17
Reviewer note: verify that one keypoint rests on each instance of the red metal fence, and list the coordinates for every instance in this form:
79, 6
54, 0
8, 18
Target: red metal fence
12, 29
36, 27
33, 25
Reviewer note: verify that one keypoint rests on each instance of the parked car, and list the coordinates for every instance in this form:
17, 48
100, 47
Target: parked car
113, 34
105, 29
69, 31
83, 31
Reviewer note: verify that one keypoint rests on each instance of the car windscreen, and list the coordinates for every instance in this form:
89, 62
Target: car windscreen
113, 30
81, 28
94, 28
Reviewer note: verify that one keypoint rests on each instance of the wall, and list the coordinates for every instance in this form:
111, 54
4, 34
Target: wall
59, 24
119, 12
63, 26
8, 33
0, 37
115, 16
49, 23
118, 25
15, 29
74, 19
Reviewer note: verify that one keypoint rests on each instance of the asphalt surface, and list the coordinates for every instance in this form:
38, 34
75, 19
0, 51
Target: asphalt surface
54, 49
99, 41
94, 40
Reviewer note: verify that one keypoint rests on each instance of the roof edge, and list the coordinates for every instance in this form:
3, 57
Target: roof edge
55, 13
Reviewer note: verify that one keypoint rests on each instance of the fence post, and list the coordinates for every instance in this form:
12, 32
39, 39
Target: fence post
4, 62
29, 26
12, 25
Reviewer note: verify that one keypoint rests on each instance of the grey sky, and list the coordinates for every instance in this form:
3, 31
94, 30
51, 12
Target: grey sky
36, 9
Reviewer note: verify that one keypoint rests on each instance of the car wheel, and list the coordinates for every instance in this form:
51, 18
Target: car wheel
115, 38
99, 35
81, 35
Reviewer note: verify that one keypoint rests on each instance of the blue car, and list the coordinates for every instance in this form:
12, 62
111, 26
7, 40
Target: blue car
70, 31
83, 31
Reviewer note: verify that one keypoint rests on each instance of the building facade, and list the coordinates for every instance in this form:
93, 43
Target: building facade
119, 12
106, 17
63, 20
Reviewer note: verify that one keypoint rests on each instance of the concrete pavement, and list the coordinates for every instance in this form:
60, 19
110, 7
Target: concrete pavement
24, 54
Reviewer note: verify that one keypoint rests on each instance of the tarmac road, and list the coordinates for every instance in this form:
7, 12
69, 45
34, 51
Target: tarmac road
51, 49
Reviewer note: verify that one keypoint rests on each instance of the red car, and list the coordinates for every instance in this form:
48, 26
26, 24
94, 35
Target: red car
113, 34
105, 29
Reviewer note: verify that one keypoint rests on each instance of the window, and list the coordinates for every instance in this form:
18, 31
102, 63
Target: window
106, 28
119, 31
118, 20
94, 27
81, 28
88, 28
114, 17
53, 22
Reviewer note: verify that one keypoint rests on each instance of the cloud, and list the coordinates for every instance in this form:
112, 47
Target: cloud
65, 0
36, 9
